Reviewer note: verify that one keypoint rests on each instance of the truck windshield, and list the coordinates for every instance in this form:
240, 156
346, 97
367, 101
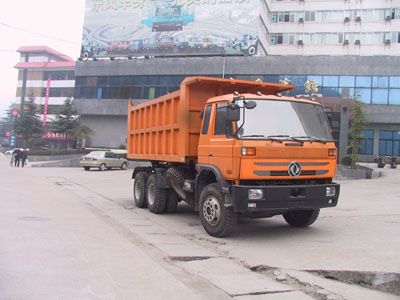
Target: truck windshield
285, 120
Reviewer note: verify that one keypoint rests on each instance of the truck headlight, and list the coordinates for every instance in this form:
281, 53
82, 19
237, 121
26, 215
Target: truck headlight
256, 194
330, 191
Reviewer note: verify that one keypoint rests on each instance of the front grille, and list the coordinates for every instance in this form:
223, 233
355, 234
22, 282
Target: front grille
273, 166
285, 173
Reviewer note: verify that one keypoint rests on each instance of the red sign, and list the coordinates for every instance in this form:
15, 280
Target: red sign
48, 135
46, 102
8, 133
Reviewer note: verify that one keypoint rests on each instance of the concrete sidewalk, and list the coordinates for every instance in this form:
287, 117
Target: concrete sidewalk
53, 246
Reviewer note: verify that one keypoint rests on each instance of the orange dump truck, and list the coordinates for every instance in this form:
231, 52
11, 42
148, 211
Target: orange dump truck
231, 148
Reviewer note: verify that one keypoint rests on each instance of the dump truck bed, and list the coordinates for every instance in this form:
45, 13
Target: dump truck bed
167, 128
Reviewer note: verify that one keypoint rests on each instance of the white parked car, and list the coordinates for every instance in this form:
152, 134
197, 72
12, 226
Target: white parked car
103, 160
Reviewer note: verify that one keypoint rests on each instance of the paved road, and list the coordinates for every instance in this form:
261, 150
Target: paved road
70, 234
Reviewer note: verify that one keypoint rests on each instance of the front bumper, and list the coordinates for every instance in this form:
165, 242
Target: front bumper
284, 198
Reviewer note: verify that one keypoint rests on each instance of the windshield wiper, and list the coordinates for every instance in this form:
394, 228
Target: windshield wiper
274, 138
312, 138
253, 135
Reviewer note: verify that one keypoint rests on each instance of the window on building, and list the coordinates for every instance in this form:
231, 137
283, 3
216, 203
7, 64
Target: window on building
310, 16
363, 81
346, 92
394, 96
331, 81
363, 95
389, 142
379, 96
316, 78
380, 81
367, 142
395, 81
346, 81
330, 92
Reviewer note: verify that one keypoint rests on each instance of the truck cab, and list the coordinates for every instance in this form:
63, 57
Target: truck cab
274, 154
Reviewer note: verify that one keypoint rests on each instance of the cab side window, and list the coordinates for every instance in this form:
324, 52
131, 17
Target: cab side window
221, 127
206, 120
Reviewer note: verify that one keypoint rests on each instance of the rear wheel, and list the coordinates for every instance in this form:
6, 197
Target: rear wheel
301, 218
86, 168
156, 196
172, 201
103, 167
217, 219
139, 189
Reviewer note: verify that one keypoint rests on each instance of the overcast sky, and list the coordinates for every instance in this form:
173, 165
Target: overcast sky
59, 19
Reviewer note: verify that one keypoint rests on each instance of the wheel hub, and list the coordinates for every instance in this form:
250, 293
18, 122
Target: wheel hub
212, 211
151, 193
137, 189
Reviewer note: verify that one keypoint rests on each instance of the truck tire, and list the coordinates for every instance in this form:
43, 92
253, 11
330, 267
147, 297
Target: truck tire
217, 219
301, 218
156, 196
139, 189
172, 201
177, 180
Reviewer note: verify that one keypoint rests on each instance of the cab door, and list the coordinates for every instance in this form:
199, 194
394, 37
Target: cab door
220, 152
204, 140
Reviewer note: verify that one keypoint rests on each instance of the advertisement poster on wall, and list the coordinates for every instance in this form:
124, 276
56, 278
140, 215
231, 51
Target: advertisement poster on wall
171, 27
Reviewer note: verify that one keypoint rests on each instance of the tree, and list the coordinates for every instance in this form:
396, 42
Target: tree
311, 88
358, 120
28, 125
68, 121
6, 123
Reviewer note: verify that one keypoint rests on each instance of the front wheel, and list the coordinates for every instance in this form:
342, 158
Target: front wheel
217, 219
301, 218
123, 166
86, 168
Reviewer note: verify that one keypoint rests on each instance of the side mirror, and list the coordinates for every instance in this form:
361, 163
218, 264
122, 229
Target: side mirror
250, 104
233, 112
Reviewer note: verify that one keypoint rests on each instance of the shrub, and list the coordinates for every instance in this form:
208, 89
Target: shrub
346, 161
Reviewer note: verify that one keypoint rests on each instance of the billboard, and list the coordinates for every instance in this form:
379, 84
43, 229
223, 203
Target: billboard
170, 27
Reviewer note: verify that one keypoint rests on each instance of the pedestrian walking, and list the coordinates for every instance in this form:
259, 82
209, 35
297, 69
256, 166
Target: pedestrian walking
17, 157
24, 157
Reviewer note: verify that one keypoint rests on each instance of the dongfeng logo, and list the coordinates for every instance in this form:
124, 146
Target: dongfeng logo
294, 169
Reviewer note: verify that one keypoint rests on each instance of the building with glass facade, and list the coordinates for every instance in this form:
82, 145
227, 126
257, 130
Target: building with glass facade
343, 67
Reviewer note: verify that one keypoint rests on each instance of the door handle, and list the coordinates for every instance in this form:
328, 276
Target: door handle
210, 155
